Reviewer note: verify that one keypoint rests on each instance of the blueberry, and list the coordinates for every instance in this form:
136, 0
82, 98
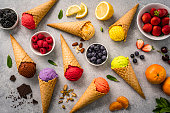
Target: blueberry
93, 54
93, 59
102, 48
100, 55
13, 16
92, 47
135, 60
132, 55
103, 58
89, 55
7, 24
142, 57
136, 53
2, 20
96, 48
89, 50
1, 13
104, 52
99, 61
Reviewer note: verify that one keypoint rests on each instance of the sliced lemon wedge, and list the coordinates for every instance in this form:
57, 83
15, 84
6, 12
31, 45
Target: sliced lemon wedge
104, 11
83, 12
72, 10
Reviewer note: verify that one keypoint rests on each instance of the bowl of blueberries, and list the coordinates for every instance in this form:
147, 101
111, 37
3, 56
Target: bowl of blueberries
96, 54
8, 18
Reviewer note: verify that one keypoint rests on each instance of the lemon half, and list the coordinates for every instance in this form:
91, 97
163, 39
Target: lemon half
73, 10
83, 12
104, 11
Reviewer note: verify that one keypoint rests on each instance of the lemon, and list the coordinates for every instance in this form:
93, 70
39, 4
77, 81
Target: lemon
83, 12
104, 11
72, 10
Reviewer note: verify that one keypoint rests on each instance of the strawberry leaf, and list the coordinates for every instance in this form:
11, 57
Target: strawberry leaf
112, 78
60, 15
52, 63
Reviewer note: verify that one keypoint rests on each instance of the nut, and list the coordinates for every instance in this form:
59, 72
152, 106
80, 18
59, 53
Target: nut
65, 87
71, 99
115, 106
60, 101
62, 92
73, 94
124, 101
63, 106
82, 39
75, 44
61, 97
80, 45
82, 50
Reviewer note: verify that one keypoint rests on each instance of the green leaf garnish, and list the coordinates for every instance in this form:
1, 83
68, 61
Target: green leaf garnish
9, 61
52, 63
101, 29
112, 78
60, 15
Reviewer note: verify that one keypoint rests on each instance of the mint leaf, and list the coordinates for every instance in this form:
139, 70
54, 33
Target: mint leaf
112, 78
101, 29
164, 102
157, 110
165, 110
60, 15
9, 61
52, 63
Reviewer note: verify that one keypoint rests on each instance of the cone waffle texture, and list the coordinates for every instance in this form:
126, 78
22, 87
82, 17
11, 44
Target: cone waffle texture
46, 90
125, 21
74, 28
89, 96
128, 74
19, 53
68, 57
40, 11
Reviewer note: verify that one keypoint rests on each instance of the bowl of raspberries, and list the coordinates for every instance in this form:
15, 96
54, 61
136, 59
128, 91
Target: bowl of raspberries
153, 21
42, 43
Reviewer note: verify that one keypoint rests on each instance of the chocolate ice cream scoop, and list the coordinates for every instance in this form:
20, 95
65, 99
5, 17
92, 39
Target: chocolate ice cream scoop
27, 69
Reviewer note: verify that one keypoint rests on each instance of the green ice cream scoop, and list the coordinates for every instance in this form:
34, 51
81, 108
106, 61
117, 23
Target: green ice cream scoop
119, 62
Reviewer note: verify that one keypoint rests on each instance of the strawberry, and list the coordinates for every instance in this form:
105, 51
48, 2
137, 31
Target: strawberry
147, 27
161, 12
147, 48
146, 17
139, 43
165, 21
156, 31
152, 12
166, 29
155, 20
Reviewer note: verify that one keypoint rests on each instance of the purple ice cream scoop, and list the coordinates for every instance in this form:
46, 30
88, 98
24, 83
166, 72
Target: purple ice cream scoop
47, 74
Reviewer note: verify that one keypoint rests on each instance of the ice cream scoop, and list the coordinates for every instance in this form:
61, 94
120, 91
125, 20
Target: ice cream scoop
28, 21
27, 69
119, 62
47, 74
117, 33
101, 85
73, 73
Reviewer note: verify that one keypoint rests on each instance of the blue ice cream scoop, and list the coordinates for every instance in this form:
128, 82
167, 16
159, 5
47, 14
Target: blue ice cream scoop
47, 74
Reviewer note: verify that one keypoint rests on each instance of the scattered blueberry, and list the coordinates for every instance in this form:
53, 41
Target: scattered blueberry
135, 60
136, 53
142, 57
132, 55
165, 58
164, 49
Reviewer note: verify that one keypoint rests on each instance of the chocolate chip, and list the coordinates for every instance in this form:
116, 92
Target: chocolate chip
13, 78
23, 90
34, 102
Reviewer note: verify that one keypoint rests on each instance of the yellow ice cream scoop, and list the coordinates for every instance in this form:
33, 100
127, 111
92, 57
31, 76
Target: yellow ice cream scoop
117, 33
119, 62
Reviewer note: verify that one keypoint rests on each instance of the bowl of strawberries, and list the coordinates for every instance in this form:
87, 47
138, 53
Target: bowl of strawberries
153, 21
42, 43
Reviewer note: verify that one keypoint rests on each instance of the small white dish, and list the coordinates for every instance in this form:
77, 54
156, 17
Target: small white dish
46, 34
15, 22
140, 24
91, 62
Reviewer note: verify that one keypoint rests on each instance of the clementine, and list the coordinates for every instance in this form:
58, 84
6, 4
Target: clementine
155, 74
166, 86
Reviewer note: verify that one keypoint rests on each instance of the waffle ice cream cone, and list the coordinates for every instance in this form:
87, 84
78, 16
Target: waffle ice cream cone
46, 90
89, 96
68, 57
40, 11
83, 29
128, 74
125, 21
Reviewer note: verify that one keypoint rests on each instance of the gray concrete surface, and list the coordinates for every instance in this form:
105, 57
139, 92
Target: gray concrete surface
23, 35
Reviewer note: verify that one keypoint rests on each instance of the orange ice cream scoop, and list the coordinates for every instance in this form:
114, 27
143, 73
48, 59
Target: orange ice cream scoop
101, 85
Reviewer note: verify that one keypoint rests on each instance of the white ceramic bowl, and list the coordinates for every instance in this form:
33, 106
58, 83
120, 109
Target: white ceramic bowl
88, 59
15, 22
140, 24
46, 34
